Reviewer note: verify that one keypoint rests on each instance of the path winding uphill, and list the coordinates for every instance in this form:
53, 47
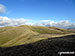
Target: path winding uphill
49, 47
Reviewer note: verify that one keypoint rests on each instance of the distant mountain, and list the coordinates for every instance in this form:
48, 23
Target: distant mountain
71, 28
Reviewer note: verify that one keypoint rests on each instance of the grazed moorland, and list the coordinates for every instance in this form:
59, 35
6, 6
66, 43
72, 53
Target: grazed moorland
35, 41
12, 36
48, 47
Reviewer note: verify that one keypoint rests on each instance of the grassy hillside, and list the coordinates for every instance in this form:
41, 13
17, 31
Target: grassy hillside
11, 36
47, 47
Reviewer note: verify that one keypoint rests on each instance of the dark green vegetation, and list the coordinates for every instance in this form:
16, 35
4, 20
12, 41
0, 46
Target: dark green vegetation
12, 36
46, 47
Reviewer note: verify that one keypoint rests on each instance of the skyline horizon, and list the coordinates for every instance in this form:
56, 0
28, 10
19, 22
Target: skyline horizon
37, 12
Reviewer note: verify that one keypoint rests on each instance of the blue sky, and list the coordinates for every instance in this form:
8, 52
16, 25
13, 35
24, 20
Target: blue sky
40, 9
36, 10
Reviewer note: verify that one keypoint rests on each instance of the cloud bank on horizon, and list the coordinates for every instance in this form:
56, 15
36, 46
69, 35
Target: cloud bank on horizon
5, 21
60, 24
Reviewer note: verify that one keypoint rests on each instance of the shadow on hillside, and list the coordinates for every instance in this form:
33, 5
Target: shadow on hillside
49, 47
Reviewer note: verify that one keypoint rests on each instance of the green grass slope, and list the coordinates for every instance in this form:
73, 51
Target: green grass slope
11, 36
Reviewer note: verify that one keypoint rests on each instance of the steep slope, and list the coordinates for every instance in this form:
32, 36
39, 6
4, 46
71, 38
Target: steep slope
11, 36
12, 33
47, 47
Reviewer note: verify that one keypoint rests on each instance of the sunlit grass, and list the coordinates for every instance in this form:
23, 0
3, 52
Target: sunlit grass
11, 36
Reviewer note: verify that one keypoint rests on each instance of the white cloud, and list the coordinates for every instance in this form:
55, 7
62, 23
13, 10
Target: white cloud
5, 21
61, 24
42, 23
2, 8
